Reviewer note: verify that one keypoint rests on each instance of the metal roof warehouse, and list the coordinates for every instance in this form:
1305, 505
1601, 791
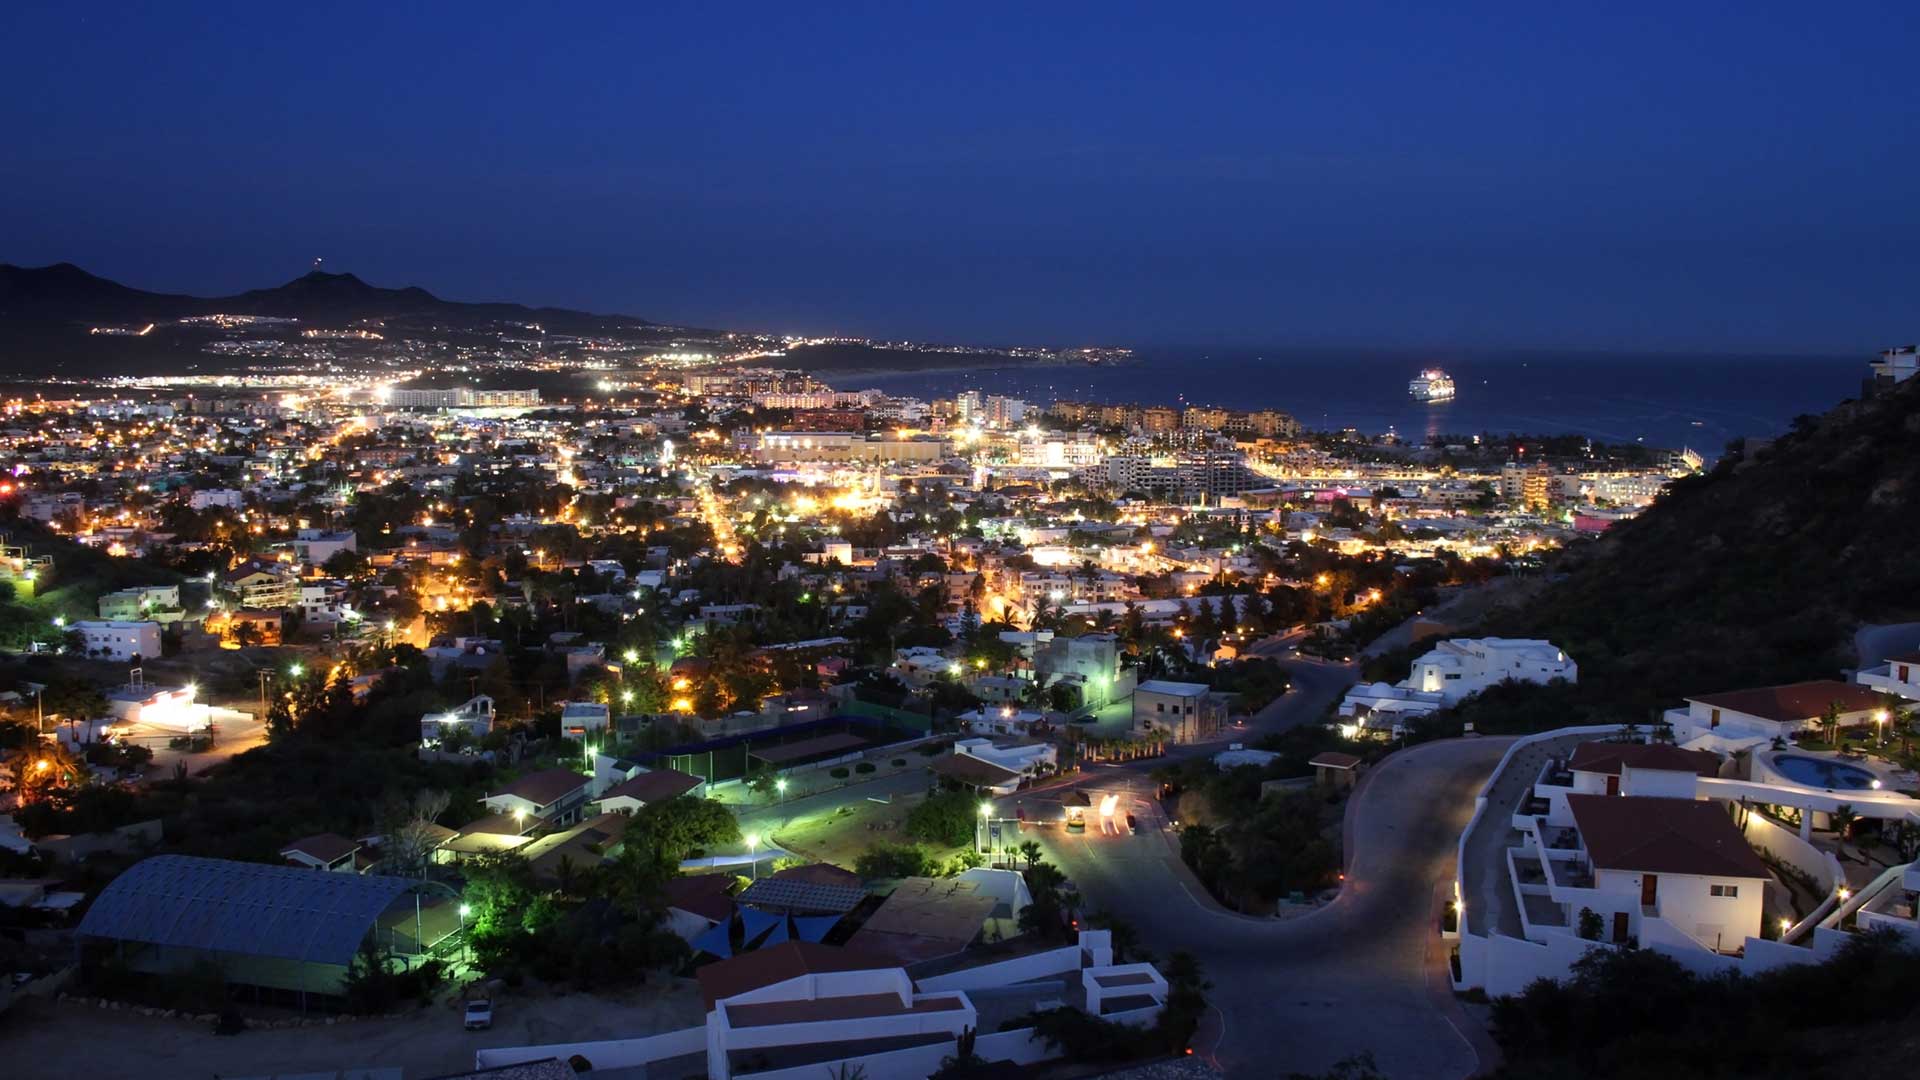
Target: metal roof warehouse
278, 928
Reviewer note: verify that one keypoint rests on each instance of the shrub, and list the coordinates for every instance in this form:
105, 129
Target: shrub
892, 861
865, 767
840, 774
946, 818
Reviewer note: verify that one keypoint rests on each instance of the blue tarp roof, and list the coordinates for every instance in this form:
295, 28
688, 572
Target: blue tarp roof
716, 940
253, 909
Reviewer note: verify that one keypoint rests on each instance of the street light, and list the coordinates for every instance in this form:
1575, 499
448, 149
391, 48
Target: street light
780, 787
986, 809
465, 910
296, 669
753, 847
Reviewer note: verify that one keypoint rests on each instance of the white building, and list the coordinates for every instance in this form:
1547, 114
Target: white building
1773, 712
583, 719
1185, 712
475, 718
1456, 670
117, 640
225, 498
552, 796
819, 1010
1899, 675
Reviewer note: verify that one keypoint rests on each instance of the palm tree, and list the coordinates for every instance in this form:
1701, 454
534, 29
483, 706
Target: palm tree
1830, 722
1843, 818
1029, 851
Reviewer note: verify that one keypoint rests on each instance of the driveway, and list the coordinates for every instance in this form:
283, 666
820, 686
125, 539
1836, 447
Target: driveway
1363, 973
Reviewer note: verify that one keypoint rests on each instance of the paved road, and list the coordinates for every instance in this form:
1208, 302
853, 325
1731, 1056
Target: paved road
1360, 974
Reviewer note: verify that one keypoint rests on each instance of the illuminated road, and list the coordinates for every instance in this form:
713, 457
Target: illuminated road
1363, 973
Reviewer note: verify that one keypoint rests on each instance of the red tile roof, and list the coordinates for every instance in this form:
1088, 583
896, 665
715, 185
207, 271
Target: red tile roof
544, 788
1606, 758
657, 785
326, 847
705, 895
1663, 836
787, 960
1794, 701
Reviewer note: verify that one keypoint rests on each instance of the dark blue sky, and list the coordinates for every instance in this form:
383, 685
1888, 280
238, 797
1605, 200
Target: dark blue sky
1726, 176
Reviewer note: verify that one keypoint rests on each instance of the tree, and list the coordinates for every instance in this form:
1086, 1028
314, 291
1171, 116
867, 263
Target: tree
684, 826
1843, 818
1591, 925
947, 818
891, 861
763, 782
410, 840
1830, 722
1030, 851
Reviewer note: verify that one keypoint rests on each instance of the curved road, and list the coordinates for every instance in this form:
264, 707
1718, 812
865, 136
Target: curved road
1365, 972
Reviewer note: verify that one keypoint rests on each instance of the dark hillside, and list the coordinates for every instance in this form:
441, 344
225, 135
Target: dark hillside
1753, 574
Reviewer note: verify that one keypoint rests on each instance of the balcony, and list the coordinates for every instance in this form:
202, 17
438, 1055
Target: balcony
1572, 873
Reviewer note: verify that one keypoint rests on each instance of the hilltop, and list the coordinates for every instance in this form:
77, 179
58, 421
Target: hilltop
1754, 573
64, 293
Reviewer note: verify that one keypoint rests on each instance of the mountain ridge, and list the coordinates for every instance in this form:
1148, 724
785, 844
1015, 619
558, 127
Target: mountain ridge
63, 294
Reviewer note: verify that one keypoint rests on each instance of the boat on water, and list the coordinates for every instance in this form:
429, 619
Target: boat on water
1432, 385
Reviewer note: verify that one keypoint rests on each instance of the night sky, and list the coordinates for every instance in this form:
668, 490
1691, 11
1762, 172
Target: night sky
1693, 175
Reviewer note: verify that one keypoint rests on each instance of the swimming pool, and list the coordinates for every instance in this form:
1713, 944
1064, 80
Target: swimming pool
1823, 773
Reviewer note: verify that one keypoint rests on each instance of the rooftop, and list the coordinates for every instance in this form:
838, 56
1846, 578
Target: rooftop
1794, 701
543, 788
1608, 757
1663, 836
787, 960
655, 785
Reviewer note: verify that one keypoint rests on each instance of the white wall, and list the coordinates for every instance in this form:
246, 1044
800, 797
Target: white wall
1785, 845
604, 1054
1007, 972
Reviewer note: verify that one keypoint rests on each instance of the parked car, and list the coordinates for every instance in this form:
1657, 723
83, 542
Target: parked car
479, 1014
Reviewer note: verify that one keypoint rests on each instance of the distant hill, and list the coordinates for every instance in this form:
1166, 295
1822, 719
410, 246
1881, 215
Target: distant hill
1753, 574
65, 294
46, 313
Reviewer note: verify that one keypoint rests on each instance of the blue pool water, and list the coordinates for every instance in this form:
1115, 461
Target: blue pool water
1822, 773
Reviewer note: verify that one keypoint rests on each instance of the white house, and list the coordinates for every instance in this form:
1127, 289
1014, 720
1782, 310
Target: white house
583, 719
1899, 675
823, 1010
1770, 712
646, 787
553, 796
1457, 669
324, 851
475, 717
1680, 862
1028, 759
117, 640
225, 498
170, 707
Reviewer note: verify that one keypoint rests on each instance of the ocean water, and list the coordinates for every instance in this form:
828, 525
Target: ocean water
1667, 400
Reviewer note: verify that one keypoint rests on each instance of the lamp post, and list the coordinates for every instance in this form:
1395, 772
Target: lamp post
465, 910
753, 847
1880, 727
986, 810
780, 789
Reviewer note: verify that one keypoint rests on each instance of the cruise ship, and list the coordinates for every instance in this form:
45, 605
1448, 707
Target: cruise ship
1432, 385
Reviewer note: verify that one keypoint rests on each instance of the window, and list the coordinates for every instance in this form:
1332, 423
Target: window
1728, 891
1714, 720
1453, 678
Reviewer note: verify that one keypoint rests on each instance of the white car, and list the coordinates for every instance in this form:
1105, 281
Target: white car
479, 1014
